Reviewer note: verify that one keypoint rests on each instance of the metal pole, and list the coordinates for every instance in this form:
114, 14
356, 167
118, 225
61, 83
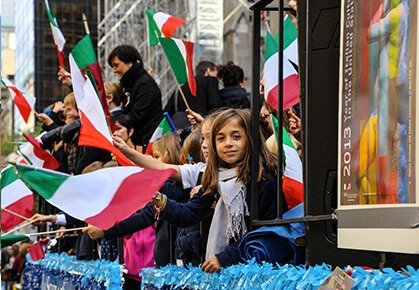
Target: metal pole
254, 191
280, 107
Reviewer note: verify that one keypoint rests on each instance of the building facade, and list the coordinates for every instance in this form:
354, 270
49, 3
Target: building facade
36, 58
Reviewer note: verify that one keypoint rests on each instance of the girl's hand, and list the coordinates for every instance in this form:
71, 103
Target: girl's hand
59, 235
211, 265
58, 107
58, 145
64, 76
40, 219
294, 121
292, 4
93, 232
120, 144
44, 119
159, 202
195, 190
193, 117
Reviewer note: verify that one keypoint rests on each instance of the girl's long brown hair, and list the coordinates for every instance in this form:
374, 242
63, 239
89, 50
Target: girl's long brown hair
267, 160
169, 146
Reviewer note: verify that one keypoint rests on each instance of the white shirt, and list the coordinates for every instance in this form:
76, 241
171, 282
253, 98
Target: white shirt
189, 173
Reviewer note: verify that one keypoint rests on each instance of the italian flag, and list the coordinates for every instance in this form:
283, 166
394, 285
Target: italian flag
292, 180
34, 154
180, 55
165, 127
290, 41
94, 129
15, 197
59, 39
161, 24
89, 65
291, 89
23, 102
101, 198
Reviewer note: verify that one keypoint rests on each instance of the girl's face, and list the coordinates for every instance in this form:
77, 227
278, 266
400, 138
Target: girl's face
70, 113
157, 154
230, 143
206, 132
122, 132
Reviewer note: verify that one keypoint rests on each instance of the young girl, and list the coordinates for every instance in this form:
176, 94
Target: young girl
188, 174
165, 149
191, 241
191, 149
227, 178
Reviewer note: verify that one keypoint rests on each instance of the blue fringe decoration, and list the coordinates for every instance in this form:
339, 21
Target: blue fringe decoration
69, 273
267, 276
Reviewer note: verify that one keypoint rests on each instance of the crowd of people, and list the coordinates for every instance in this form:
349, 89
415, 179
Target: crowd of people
199, 216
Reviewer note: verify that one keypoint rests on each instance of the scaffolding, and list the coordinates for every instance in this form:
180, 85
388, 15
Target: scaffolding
124, 22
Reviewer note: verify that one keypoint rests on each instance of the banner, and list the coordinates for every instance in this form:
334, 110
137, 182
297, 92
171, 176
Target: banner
377, 185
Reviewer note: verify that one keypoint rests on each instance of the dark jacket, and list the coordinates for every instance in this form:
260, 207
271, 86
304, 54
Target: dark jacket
144, 106
78, 157
207, 99
234, 97
185, 215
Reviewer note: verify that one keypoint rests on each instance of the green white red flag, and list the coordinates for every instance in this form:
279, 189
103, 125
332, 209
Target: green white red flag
165, 127
37, 250
290, 41
101, 198
94, 129
180, 55
292, 180
89, 65
34, 154
24, 102
291, 89
15, 197
59, 39
161, 24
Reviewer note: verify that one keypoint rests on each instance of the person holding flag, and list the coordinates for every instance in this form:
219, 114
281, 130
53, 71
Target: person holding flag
144, 104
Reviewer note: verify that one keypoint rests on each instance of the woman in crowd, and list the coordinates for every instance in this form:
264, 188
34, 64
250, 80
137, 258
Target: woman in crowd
233, 95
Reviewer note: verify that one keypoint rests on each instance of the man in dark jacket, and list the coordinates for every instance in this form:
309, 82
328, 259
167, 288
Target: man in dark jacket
207, 96
144, 104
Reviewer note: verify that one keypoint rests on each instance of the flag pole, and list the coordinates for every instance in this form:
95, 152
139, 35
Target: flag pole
55, 231
15, 214
183, 96
148, 41
178, 85
17, 228
266, 21
86, 25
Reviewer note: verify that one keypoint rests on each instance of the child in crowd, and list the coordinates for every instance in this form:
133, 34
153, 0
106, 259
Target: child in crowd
138, 246
76, 157
191, 150
114, 98
188, 174
191, 241
227, 180
165, 149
